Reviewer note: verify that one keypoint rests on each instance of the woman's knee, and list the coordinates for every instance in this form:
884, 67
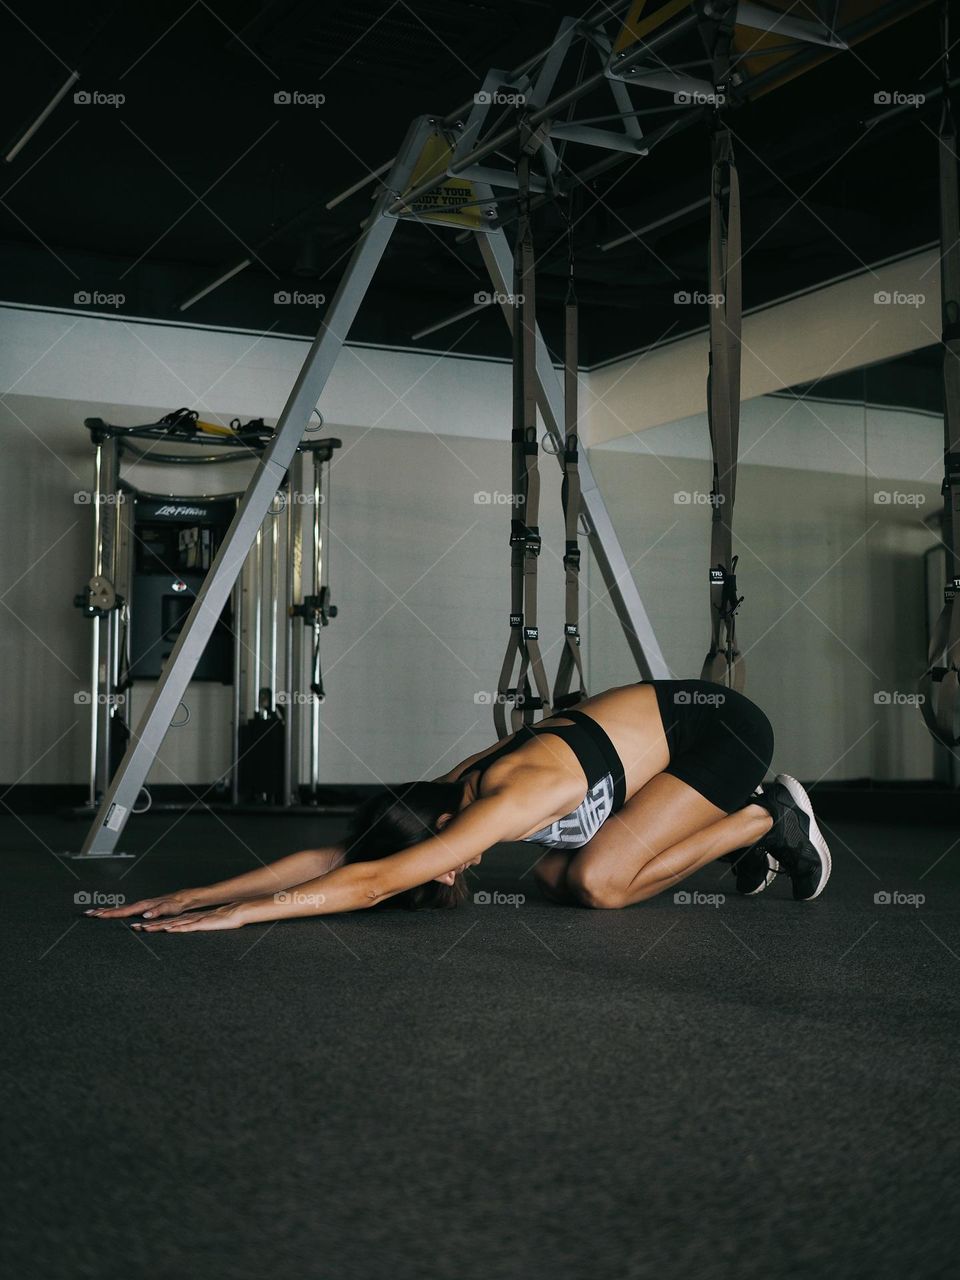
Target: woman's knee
593, 886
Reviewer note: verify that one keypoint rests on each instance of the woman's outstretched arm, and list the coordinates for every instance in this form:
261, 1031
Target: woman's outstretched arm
296, 868
504, 815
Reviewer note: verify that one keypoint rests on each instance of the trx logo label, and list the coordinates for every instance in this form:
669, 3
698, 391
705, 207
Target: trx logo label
717, 577
516, 619
531, 633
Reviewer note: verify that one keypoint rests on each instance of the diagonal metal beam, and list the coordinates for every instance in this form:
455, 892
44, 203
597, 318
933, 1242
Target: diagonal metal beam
145, 741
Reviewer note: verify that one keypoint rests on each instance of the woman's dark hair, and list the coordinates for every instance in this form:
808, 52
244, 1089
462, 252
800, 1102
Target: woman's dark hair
397, 818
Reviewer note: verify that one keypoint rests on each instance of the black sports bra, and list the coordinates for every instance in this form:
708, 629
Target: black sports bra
598, 758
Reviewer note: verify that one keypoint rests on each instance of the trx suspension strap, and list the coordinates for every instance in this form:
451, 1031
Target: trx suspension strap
723, 662
939, 683
523, 646
570, 659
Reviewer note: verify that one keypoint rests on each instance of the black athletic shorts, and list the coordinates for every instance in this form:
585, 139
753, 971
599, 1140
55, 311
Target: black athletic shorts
720, 742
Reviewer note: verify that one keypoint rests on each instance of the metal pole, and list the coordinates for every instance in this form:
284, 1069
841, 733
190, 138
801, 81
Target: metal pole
317, 585
274, 610
95, 628
169, 691
257, 590
291, 685
237, 700
604, 542
107, 487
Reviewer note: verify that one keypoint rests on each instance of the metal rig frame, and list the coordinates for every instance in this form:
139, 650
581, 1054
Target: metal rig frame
639, 63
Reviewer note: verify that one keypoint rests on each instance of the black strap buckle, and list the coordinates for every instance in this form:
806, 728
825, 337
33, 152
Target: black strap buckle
531, 541
566, 700
571, 559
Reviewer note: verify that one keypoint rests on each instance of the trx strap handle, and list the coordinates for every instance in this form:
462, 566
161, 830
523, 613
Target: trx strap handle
523, 645
940, 683
570, 659
723, 663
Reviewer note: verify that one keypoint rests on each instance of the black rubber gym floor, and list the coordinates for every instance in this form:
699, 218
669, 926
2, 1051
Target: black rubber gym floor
755, 1088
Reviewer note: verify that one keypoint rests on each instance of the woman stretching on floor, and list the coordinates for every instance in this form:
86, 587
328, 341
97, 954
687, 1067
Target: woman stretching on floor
629, 794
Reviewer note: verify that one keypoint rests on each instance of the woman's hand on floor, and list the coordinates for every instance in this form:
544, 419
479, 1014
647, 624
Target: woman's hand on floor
229, 916
171, 904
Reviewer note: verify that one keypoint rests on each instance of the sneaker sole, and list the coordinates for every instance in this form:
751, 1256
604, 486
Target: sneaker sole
771, 875
816, 835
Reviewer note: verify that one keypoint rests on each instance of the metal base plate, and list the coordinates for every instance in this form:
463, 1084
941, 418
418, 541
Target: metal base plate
97, 857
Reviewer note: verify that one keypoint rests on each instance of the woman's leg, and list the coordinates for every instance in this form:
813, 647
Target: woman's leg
551, 875
664, 833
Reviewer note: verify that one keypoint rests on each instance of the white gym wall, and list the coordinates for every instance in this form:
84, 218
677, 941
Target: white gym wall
420, 569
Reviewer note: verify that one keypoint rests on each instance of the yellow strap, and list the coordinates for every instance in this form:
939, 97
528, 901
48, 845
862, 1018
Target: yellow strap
214, 428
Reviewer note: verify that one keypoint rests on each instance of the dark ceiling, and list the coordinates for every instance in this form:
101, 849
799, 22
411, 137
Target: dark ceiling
199, 168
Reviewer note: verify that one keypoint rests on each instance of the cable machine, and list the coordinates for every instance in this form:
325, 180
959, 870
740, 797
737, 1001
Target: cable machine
151, 556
